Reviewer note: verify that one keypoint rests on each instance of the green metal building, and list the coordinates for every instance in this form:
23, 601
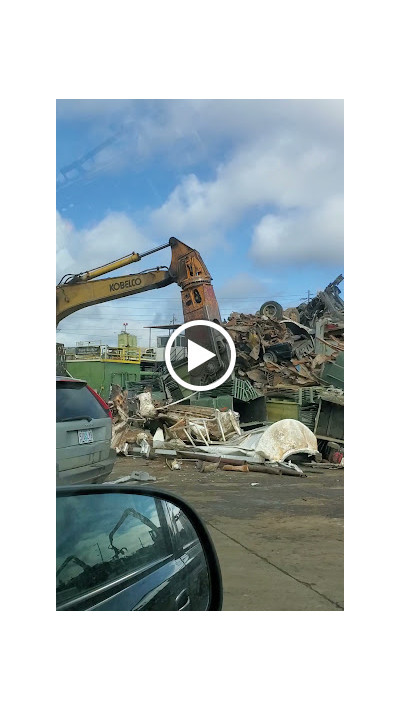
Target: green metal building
101, 374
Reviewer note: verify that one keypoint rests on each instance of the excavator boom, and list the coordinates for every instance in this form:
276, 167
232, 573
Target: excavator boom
186, 269
111, 266
73, 296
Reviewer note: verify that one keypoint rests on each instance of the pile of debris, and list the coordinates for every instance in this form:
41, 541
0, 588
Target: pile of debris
274, 444
125, 434
212, 438
198, 425
271, 353
176, 424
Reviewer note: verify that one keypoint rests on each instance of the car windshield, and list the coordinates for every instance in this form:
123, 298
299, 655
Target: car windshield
75, 401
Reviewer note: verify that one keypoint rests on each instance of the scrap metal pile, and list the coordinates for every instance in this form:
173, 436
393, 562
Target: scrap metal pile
289, 357
272, 353
179, 424
211, 437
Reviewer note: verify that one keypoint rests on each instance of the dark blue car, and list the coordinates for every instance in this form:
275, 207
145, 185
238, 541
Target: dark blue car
132, 548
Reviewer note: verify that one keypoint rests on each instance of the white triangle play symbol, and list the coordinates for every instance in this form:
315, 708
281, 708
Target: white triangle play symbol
197, 355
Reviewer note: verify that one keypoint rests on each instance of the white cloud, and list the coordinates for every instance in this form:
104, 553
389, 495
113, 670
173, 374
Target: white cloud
289, 175
203, 123
284, 155
191, 214
64, 259
185, 131
314, 235
111, 238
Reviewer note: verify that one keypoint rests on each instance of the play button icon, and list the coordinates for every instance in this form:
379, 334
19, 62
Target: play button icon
220, 359
197, 355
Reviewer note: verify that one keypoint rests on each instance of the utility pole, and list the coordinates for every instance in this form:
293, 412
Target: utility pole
309, 295
172, 322
125, 324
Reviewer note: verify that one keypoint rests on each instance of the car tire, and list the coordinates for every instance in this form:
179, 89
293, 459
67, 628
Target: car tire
272, 309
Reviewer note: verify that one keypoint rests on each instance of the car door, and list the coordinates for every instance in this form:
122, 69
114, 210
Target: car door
194, 592
115, 556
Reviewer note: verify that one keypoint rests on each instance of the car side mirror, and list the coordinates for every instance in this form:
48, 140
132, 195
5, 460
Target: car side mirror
133, 548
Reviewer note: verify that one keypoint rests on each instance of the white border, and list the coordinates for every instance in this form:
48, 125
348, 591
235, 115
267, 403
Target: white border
232, 361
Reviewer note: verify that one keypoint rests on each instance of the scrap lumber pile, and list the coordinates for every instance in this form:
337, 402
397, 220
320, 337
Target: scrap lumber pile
271, 353
193, 424
118, 403
181, 424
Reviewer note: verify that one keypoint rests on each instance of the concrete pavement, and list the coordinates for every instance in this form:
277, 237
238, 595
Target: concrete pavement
280, 543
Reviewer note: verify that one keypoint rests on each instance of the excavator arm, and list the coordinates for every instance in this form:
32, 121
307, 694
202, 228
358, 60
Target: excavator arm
140, 517
76, 560
187, 269
72, 296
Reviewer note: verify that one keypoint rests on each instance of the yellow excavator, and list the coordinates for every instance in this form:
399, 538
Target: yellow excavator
77, 291
187, 269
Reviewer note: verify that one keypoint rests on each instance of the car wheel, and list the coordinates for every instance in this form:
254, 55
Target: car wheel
272, 309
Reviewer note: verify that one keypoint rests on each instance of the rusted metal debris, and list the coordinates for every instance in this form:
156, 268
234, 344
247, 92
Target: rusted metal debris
221, 461
236, 468
271, 353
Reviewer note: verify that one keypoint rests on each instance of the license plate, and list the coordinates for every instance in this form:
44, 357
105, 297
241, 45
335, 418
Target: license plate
85, 436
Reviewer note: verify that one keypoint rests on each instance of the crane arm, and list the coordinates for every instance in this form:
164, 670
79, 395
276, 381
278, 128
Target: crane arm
186, 269
78, 561
73, 296
135, 514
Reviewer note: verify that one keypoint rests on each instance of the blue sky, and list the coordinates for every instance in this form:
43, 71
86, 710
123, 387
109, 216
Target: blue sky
255, 186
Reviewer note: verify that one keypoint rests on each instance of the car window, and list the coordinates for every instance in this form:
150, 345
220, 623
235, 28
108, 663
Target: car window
74, 400
184, 529
101, 539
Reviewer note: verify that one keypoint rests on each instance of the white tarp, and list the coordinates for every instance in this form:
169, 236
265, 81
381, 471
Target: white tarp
285, 438
276, 442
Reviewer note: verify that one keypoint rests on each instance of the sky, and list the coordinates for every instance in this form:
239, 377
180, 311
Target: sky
256, 186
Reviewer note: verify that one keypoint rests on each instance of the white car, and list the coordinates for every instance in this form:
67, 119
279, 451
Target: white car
84, 423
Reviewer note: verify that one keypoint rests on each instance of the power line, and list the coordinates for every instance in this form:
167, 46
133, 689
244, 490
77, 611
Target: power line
143, 312
221, 298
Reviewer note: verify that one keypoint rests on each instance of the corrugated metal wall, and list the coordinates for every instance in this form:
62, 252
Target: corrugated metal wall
100, 375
